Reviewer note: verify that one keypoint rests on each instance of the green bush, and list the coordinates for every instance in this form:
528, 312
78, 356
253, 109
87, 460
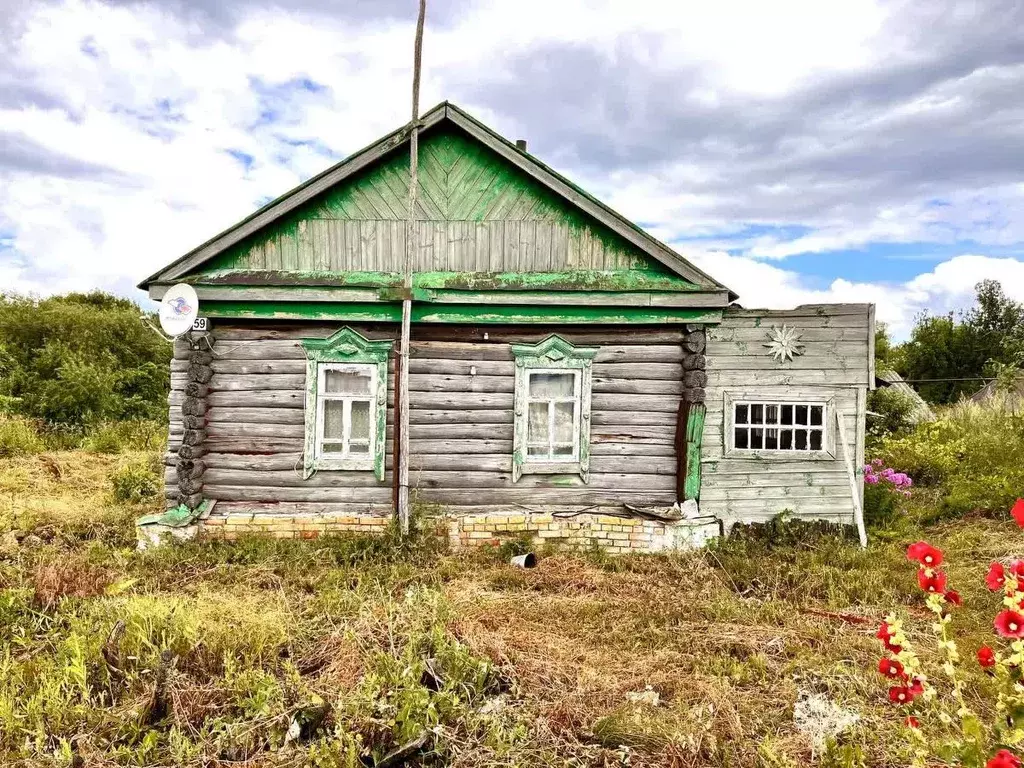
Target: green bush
81, 359
19, 437
894, 414
135, 482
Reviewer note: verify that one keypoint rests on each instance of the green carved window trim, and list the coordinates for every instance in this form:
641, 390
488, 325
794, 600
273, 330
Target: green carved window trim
346, 347
553, 354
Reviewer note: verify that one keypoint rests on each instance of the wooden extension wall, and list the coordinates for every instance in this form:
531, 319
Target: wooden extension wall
837, 353
460, 423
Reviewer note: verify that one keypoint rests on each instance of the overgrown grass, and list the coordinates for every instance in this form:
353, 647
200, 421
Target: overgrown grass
971, 460
22, 436
336, 652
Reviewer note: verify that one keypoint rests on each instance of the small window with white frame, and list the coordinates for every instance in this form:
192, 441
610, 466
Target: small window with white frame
346, 403
552, 408
778, 427
346, 395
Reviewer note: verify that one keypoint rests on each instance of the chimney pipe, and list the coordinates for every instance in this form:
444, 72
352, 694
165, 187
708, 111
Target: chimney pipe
521, 145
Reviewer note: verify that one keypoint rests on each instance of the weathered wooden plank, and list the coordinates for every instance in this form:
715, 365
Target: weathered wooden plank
626, 403
727, 334
460, 383
778, 480
298, 508
248, 399
237, 382
259, 367
252, 445
784, 378
495, 334
770, 317
722, 360
567, 485
242, 429
241, 493
618, 418
540, 496
449, 431
458, 416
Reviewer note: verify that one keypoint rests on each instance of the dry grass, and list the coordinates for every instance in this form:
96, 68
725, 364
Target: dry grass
641, 661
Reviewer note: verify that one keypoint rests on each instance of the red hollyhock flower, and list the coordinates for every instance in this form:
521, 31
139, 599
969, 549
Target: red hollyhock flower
1017, 568
986, 656
953, 597
912, 722
995, 579
931, 581
925, 554
900, 694
1010, 624
1004, 758
891, 668
916, 687
1017, 510
885, 636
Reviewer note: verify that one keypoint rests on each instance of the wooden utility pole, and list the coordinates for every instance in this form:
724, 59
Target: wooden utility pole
410, 246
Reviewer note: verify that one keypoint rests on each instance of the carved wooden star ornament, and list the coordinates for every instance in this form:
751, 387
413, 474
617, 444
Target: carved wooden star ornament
784, 344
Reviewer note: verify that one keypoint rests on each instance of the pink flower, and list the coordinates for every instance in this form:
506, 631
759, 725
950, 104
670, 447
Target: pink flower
931, 581
1010, 624
925, 554
995, 579
1004, 758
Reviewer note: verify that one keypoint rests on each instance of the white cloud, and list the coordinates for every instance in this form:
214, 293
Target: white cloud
703, 120
948, 287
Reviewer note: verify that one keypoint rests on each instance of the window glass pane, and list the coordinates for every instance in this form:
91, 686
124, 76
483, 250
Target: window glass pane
817, 413
800, 439
757, 438
362, 448
787, 414
537, 424
563, 422
815, 440
757, 414
801, 414
786, 440
741, 438
552, 384
333, 418
360, 429
563, 450
771, 414
333, 447
771, 439
742, 414
346, 383
537, 450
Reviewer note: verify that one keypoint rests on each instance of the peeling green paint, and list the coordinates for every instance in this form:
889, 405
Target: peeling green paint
460, 180
694, 438
459, 313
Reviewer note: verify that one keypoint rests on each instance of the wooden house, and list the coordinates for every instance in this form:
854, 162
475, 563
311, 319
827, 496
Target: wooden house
569, 375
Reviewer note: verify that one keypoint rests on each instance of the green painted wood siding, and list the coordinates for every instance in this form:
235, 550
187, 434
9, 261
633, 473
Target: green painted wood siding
477, 214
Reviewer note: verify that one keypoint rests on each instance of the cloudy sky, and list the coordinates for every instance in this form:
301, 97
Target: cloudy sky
799, 150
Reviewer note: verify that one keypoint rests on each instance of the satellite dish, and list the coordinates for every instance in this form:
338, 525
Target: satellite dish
178, 309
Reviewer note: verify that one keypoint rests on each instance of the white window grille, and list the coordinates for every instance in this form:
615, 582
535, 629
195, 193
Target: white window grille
346, 415
779, 426
553, 400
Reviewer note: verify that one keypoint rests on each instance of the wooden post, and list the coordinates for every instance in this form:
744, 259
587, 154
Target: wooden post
851, 475
410, 245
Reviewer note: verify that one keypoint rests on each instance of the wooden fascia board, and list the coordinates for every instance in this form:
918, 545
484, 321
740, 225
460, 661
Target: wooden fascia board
291, 200
295, 294
592, 206
391, 312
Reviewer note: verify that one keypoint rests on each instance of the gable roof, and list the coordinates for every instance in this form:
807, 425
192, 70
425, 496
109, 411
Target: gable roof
366, 157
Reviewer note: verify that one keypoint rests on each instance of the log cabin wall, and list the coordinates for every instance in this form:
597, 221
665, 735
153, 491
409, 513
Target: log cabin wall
834, 364
461, 424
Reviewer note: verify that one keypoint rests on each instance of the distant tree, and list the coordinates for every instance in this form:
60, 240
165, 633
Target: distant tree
963, 346
883, 346
79, 359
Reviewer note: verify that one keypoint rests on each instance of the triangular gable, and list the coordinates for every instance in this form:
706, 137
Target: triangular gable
484, 206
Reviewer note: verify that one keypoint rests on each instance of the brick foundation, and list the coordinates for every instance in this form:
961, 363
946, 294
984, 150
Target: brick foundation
615, 535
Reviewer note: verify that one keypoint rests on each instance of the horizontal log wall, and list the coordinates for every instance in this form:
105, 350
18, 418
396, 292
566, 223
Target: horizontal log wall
461, 423
834, 364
